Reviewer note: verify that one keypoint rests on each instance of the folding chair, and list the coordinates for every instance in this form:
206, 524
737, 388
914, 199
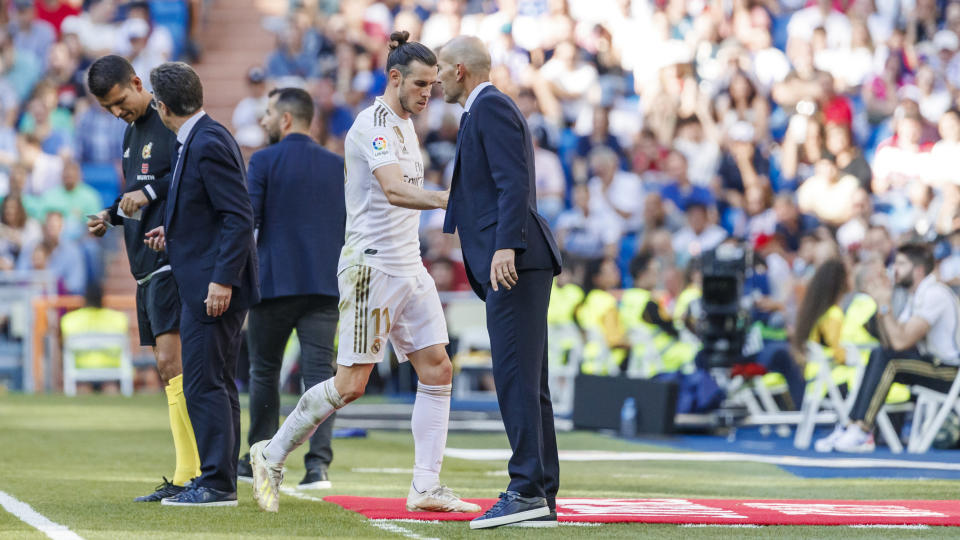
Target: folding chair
838, 408
81, 343
563, 339
929, 414
467, 322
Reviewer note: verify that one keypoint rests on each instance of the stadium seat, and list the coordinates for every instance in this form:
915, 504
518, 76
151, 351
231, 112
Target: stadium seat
104, 178
80, 343
930, 413
467, 323
173, 15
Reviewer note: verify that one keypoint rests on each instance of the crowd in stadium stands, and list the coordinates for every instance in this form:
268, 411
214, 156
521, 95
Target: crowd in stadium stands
59, 150
809, 131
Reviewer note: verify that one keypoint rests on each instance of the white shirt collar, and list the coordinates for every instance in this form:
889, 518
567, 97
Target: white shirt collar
187, 127
473, 95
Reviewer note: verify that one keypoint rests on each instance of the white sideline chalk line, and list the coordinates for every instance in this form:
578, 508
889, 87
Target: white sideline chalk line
911, 527
797, 461
31, 517
382, 524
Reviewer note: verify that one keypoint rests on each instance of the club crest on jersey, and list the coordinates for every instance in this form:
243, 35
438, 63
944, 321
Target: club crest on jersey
399, 133
375, 348
147, 151
379, 144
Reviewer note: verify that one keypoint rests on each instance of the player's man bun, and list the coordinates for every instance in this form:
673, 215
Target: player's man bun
402, 52
398, 39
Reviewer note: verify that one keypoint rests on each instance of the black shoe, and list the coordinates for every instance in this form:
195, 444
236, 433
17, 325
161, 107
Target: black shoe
244, 471
512, 508
201, 496
164, 490
549, 520
316, 478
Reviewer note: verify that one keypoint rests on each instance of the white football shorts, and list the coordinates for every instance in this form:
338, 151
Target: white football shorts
375, 306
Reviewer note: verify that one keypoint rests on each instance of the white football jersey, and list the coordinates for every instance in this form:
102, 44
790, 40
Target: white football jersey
379, 234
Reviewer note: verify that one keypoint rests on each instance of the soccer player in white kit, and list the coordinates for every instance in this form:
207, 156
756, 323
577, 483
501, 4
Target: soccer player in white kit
385, 292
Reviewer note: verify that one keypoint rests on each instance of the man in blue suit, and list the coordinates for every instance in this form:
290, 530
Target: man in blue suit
208, 236
511, 258
296, 187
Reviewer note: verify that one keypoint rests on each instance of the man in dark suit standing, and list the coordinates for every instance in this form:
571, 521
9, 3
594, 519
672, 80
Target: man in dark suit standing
296, 187
511, 258
208, 236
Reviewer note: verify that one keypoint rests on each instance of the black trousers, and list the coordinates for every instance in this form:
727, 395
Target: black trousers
887, 367
517, 323
210, 353
268, 329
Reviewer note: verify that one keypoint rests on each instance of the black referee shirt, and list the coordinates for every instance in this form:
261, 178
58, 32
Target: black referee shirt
149, 154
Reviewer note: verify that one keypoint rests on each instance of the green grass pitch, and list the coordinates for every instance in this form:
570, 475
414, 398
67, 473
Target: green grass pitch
80, 461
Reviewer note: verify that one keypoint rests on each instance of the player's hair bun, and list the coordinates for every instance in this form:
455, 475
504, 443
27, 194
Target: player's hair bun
398, 38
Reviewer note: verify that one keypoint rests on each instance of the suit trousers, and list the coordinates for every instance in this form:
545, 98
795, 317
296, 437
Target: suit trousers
210, 351
268, 329
517, 323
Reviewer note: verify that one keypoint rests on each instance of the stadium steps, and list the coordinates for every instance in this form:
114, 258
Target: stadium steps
233, 41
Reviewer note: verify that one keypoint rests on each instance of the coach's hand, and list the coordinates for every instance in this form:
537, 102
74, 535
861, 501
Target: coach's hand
98, 227
218, 299
156, 239
502, 269
133, 201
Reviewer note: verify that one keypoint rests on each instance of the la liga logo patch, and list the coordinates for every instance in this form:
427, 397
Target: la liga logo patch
379, 144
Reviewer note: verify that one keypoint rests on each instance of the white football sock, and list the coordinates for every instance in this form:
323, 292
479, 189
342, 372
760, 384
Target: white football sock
431, 415
315, 405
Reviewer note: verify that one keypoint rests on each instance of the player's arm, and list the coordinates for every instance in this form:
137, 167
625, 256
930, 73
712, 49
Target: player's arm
404, 195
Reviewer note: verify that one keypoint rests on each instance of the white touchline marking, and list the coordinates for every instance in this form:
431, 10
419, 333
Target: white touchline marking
496, 454
389, 526
731, 525
911, 527
30, 516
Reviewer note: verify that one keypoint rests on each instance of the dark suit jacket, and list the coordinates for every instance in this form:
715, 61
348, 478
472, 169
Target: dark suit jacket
209, 222
296, 188
493, 199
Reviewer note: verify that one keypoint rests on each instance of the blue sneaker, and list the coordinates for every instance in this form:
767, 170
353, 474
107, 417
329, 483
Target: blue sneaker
201, 496
512, 508
549, 520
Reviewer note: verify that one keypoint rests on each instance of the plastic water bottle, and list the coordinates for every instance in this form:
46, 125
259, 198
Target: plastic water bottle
628, 418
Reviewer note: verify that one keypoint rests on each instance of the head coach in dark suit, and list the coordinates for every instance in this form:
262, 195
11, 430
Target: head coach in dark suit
511, 258
208, 236
296, 187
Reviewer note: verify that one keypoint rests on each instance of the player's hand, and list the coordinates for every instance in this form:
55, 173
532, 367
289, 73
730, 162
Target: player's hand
218, 299
98, 226
503, 271
156, 239
133, 201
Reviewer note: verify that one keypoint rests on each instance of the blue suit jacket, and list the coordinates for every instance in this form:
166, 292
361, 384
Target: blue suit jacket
296, 188
209, 222
493, 197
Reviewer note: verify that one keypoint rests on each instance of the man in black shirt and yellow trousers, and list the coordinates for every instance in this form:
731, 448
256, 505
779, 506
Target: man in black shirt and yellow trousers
149, 152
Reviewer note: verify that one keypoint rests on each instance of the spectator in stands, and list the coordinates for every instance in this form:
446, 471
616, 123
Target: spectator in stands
585, 234
45, 170
741, 102
146, 45
74, 200
680, 190
55, 11
64, 258
700, 150
942, 160
850, 235
742, 165
290, 59
919, 345
247, 113
47, 121
94, 28
550, 181
569, 77
615, 192
599, 136
838, 141
901, 159
21, 69
699, 235
827, 194
17, 230
29, 33
791, 223
802, 146
820, 317
102, 134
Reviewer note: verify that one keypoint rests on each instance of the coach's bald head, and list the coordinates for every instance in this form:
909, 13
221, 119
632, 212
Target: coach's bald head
464, 63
